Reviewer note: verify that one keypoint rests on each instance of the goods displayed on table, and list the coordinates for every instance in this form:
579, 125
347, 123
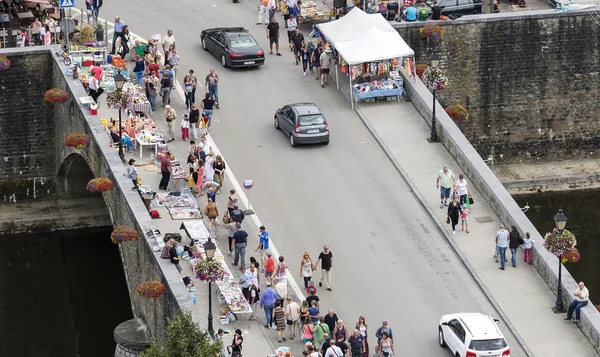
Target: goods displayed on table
379, 88
310, 11
230, 292
181, 205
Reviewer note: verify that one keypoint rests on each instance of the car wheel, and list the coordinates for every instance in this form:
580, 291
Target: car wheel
293, 141
441, 340
204, 47
276, 122
326, 142
223, 61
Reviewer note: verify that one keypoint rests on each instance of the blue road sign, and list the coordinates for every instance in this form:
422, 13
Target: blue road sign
64, 4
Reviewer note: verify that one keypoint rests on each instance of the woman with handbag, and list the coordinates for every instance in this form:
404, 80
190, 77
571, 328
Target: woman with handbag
292, 312
279, 316
306, 268
454, 210
361, 326
307, 331
199, 178
386, 345
236, 344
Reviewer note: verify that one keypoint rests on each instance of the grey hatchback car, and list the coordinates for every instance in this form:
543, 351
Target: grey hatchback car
303, 123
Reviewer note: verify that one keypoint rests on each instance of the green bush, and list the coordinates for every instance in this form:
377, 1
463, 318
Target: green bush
87, 34
184, 339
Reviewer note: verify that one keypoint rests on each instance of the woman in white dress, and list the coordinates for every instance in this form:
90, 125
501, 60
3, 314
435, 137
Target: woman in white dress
209, 171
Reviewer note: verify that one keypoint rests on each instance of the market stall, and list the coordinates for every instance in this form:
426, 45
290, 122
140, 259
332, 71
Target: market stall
371, 53
311, 12
229, 292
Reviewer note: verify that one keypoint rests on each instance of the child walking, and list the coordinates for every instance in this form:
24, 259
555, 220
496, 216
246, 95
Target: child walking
527, 246
464, 216
185, 124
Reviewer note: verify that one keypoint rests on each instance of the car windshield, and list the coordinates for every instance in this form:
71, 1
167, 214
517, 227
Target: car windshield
311, 119
242, 40
488, 345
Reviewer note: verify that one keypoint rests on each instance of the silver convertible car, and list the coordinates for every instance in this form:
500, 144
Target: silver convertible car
302, 123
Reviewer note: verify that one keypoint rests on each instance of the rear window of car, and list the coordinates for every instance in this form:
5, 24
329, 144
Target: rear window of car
488, 345
311, 119
241, 41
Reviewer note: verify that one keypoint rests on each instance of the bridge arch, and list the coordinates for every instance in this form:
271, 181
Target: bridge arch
72, 176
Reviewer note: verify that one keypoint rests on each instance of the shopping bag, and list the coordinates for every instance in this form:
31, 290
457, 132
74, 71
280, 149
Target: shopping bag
471, 201
226, 218
191, 181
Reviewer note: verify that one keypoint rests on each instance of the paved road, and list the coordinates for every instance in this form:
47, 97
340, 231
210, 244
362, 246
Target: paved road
390, 262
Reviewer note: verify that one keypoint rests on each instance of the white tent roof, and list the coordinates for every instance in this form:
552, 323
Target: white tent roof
361, 37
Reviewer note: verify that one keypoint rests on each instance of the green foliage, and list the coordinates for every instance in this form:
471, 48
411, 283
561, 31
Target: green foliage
184, 339
87, 34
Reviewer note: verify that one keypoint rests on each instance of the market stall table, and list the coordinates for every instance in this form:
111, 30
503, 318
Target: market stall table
147, 140
310, 11
387, 89
230, 292
25, 15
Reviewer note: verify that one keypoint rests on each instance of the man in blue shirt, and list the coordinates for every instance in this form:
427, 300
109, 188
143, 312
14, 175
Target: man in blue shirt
263, 246
313, 312
119, 25
168, 71
411, 13
240, 241
267, 302
245, 278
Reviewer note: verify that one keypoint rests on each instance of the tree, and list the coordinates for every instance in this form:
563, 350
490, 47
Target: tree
184, 339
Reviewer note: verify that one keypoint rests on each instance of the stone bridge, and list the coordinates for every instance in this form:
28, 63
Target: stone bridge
37, 166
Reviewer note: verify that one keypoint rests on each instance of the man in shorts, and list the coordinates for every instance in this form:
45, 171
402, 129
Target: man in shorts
297, 40
273, 35
445, 182
263, 245
326, 63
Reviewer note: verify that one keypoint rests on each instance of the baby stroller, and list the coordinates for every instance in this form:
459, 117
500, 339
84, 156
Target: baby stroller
393, 9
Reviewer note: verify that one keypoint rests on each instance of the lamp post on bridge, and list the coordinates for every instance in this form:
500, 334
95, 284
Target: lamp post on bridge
119, 82
433, 137
561, 221
209, 249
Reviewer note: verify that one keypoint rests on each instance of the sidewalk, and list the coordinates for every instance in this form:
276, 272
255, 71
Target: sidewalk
521, 293
258, 341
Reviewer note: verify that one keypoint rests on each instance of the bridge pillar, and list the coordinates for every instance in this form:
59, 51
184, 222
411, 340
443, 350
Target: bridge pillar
132, 339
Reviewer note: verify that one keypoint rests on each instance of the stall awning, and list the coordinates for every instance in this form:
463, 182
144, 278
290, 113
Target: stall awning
361, 37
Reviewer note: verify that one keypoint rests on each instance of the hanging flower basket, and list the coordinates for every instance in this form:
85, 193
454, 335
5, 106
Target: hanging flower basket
119, 100
210, 270
55, 95
434, 79
572, 256
560, 243
432, 31
101, 184
457, 112
151, 289
420, 69
124, 234
77, 140
4, 63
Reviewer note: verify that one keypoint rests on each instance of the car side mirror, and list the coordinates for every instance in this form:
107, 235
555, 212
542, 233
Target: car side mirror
444, 324
496, 321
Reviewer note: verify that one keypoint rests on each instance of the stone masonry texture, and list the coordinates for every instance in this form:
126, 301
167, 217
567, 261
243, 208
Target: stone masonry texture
32, 72
26, 129
529, 81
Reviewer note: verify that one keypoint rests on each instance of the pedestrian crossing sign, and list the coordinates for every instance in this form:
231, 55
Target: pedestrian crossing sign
67, 3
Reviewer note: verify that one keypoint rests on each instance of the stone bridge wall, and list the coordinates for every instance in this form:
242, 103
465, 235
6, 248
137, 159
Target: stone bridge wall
69, 169
530, 81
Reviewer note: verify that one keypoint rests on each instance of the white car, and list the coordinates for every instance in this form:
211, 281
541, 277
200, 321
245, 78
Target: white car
472, 335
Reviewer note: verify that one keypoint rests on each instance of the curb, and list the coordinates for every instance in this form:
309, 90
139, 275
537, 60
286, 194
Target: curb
449, 239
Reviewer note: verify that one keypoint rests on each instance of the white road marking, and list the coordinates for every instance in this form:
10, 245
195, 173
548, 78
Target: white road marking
232, 178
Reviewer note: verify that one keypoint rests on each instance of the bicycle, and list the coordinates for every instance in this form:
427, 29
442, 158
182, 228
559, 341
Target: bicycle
67, 59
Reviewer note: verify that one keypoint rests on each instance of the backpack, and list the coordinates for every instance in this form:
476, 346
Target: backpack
165, 251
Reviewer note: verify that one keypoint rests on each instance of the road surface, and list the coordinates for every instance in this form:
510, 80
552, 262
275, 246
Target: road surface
390, 262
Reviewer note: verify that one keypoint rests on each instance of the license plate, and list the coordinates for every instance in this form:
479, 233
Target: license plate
249, 62
312, 131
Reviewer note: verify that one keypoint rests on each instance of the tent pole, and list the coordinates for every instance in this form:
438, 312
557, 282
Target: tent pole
351, 99
337, 77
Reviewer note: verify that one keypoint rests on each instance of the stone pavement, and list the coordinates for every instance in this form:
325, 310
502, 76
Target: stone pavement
520, 292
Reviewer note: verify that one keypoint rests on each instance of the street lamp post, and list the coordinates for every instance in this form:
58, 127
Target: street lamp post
433, 137
561, 221
119, 82
210, 249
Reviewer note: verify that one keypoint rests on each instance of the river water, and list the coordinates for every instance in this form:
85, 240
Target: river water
62, 294
583, 212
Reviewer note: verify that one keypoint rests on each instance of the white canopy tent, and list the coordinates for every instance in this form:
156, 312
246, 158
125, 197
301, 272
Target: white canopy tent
360, 38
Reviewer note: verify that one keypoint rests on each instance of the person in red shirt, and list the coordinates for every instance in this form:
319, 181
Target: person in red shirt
165, 169
269, 267
154, 67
